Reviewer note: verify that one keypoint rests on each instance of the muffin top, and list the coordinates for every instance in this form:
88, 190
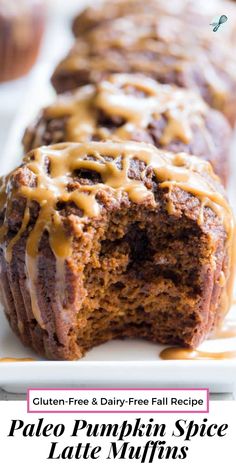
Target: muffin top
159, 48
83, 173
125, 104
132, 107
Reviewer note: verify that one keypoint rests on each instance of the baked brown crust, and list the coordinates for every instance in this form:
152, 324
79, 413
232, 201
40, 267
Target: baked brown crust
103, 240
130, 107
158, 49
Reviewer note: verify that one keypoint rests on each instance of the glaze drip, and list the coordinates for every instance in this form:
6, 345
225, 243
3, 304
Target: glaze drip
16, 359
136, 101
176, 353
53, 171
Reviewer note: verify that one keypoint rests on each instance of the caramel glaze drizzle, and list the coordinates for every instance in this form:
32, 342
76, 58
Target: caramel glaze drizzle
183, 109
16, 359
182, 171
178, 353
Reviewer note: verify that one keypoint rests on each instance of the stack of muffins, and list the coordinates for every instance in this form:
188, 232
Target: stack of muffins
117, 223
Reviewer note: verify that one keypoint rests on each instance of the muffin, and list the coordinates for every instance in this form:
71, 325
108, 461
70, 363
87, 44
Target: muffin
130, 107
199, 12
21, 29
161, 49
113, 239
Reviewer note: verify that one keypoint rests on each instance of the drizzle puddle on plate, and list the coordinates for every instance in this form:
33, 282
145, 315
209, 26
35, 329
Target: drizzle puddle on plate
16, 359
177, 353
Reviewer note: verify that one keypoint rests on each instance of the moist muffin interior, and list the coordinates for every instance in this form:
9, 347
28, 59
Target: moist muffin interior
144, 279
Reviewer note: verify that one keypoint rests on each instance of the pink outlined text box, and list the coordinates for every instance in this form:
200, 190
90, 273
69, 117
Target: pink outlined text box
117, 390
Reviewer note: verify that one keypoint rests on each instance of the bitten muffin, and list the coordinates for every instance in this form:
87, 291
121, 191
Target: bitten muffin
159, 48
103, 239
130, 107
21, 29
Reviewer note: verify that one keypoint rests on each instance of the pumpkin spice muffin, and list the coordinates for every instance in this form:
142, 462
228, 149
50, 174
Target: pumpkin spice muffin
158, 49
130, 107
103, 239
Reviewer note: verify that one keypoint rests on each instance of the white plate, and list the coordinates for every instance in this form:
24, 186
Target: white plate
117, 363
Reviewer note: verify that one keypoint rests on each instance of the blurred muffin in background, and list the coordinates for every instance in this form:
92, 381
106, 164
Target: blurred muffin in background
162, 48
21, 30
103, 11
194, 12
